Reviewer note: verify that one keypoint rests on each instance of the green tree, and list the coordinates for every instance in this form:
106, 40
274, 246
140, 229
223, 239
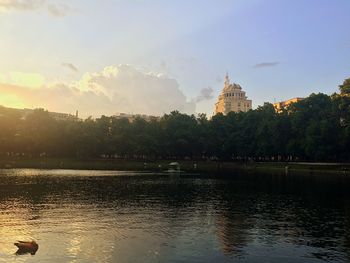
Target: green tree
345, 87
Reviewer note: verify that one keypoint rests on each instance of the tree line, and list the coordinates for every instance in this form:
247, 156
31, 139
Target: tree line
314, 129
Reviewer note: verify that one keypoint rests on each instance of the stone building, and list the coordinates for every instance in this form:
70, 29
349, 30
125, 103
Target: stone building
284, 104
132, 117
58, 116
232, 98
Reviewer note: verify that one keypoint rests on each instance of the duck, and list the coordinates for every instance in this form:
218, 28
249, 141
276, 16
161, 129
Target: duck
25, 247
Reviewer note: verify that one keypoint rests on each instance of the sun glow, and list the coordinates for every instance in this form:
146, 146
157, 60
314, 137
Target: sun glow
12, 101
29, 80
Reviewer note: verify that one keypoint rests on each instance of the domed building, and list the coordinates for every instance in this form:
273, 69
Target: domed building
232, 98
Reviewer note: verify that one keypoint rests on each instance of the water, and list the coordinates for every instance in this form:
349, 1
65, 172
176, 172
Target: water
99, 216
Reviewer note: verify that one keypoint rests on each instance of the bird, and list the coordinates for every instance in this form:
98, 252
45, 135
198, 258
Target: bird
25, 247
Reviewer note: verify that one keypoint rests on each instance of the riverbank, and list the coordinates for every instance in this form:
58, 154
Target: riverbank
186, 165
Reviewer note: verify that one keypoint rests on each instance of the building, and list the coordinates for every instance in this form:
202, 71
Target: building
232, 98
283, 104
58, 116
132, 117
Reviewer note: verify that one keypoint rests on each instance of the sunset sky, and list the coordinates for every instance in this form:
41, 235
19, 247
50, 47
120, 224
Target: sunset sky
135, 56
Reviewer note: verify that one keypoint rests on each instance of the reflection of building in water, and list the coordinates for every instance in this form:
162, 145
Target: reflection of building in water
283, 104
232, 98
232, 231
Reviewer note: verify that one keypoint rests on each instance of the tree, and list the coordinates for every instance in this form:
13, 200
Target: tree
345, 87
9, 124
181, 134
316, 128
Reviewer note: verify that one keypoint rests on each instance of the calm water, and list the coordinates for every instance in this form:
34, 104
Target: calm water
94, 216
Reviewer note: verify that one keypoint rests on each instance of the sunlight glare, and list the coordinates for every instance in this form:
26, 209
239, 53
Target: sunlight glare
10, 100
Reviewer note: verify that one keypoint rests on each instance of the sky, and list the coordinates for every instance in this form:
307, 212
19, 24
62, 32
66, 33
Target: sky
152, 57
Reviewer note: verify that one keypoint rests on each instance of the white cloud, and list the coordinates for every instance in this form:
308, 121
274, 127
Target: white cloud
115, 89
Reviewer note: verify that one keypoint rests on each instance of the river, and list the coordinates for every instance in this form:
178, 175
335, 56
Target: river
111, 216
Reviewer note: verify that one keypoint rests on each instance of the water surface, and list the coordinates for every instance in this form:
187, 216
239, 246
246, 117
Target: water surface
108, 216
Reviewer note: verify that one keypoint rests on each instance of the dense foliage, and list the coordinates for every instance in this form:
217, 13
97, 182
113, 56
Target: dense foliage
314, 129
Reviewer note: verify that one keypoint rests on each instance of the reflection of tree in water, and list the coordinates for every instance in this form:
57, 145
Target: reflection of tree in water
232, 232
300, 210
234, 218
151, 196
319, 215
306, 212
347, 229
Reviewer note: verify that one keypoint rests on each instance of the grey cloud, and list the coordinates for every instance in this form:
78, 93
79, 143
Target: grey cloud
205, 94
266, 64
70, 66
53, 7
58, 9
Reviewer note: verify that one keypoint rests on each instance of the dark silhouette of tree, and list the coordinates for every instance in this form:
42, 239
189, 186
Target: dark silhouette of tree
314, 129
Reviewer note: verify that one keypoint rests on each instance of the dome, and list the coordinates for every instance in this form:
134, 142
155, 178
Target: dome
232, 88
232, 98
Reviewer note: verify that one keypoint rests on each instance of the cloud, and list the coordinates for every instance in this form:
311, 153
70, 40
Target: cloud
115, 89
22, 5
266, 64
58, 9
205, 94
53, 7
219, 79
70, 66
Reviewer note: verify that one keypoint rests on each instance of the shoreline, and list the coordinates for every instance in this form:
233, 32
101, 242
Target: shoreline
186, 165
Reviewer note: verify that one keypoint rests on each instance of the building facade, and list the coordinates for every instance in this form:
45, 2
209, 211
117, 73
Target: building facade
58, 116
132, 117
232, 98
283, 104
